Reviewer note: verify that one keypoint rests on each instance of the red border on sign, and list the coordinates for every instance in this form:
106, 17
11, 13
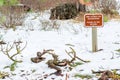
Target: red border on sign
93, 15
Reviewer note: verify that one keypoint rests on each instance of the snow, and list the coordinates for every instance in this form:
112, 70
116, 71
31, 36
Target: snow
64, 32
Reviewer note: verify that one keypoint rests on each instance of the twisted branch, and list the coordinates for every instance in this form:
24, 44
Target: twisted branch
73, 56
8, 48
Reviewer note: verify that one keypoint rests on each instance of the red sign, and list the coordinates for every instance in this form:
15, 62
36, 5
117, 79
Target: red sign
93, 20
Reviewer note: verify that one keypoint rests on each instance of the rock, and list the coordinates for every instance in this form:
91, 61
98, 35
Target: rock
67, 11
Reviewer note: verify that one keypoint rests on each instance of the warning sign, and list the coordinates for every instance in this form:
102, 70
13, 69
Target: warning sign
93, 20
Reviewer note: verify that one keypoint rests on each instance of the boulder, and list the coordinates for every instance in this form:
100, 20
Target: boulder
67, 11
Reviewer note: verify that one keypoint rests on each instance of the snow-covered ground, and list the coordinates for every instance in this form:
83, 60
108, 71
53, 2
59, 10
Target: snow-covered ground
41, 33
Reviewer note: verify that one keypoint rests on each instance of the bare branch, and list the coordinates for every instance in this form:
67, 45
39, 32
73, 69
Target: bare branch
74, 55
8, 48
39, 57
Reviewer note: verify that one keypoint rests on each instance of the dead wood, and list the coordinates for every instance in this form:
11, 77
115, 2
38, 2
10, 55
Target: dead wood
95, 72
107, 75
2, 42
39, 57
73, 55
6, 48
55, 62
37, 60
52, 65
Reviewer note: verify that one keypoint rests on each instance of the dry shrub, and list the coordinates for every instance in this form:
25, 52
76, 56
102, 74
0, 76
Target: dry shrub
12, 16
109, 6
47, 4
33, 4
38, 5
50, 25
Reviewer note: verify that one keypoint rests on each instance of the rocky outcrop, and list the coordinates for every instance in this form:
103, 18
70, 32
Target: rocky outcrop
67, 11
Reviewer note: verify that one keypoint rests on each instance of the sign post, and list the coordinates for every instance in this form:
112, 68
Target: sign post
93, 21
94, 40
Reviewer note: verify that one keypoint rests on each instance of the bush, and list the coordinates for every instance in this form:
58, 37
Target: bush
12, 14
109, 6
105, 19
33, 4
